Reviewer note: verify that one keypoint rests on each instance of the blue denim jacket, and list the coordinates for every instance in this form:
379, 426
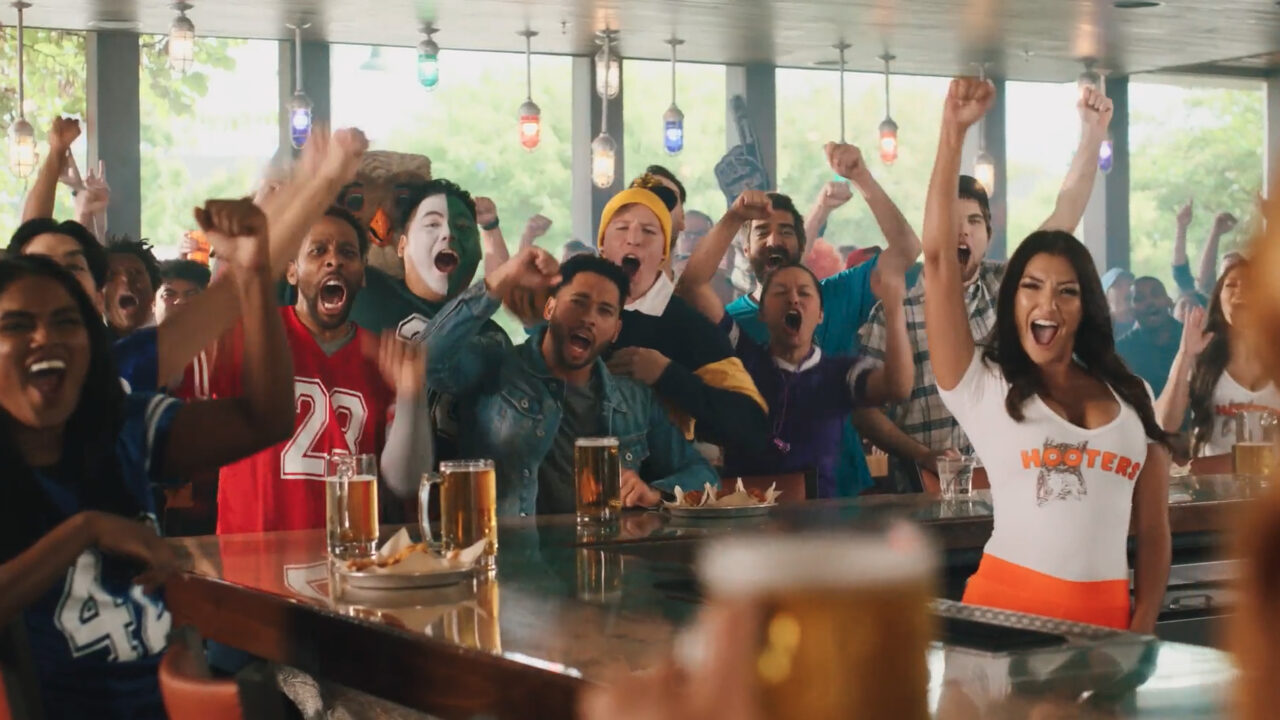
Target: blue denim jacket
509, 407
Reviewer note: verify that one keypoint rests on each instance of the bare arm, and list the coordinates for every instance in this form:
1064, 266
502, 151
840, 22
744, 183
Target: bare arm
211, 433
1180, 238
707, 254
492, 241
536, 227
1151, 527
831, 196
1207, 276
900, 239
892, 381
290, 214
43, 193
876, 427
409, 449
946, 321
1095, 114
1171, 406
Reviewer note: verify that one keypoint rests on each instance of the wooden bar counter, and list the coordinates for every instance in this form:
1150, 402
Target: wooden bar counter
571, 604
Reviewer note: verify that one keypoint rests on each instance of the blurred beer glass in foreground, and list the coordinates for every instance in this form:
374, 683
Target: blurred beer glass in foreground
468, 507
351, 504
1254, 454
846, 620
597, 472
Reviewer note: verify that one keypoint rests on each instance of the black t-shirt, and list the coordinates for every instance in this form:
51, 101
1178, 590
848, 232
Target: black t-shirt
580, 418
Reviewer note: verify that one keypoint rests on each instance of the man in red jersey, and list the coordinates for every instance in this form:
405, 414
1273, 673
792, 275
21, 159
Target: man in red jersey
348, 384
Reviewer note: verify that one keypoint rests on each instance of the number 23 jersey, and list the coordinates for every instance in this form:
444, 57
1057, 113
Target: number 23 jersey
341, 403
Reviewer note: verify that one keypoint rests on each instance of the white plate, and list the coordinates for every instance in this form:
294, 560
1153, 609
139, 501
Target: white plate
720, 513
397, 581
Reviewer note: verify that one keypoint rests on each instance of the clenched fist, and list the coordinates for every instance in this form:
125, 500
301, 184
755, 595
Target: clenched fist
237, 231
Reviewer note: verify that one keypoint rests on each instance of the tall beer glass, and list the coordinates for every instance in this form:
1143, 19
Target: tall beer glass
846, 622
1254, 454
351, 505
597, 472
468, 507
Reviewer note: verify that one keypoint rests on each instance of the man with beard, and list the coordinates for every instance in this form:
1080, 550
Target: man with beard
133, 275
1150, 347
922, 428
525, 406
779, 239
345, 384
665, 343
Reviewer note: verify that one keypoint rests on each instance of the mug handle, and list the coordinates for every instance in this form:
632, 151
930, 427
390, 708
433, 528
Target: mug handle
424, 496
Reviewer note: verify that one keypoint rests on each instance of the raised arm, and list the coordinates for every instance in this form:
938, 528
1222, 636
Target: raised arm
879, 430
710, 250
1151, 529
409, 449
324, 169
892, 381
830, 197
946, 321
491, 238
1171, 407
92, 201
212, 433
1095, 115
900, 239
43, 193
534, 228
1181, 266
1207, 276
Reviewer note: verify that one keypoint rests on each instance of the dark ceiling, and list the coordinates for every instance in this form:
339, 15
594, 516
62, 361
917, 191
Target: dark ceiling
1026, 39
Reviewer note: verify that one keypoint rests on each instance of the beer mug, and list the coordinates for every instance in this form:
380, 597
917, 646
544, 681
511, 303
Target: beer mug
468, 507
597, 476
845, 620
351, 504
599, 569
1254, 454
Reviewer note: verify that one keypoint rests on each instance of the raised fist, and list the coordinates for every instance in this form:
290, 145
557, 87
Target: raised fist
486, 211
62, 133
237, 231
1224, 223
1095, 110
968, 99
1185, 214
846, 160
751, 205
834, 194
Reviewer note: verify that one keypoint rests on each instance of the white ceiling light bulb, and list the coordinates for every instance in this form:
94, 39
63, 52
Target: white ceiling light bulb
182, 39
23, 157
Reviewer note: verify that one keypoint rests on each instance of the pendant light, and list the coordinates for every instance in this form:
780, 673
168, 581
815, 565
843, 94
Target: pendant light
182, 39
22, 137
984, 166
608, 65
429, 58
375, 62
300, 106
888, 128
673, 118
1106, 151
841, 47
604, 151
530, 114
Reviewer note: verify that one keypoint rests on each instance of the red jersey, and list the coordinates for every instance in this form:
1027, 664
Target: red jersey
342, 402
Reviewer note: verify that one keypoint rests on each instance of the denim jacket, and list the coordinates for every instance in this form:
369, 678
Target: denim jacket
510, 406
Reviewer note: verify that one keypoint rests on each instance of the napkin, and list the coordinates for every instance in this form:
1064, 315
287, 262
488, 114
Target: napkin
424, 561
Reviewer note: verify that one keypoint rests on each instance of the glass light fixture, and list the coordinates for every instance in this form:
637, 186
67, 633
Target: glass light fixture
604, 153
23, 157
182, 39
429, 58
300, 106
375, 62
530, 114
888, 128
1106, 155
608, 66
673, 118
984, 171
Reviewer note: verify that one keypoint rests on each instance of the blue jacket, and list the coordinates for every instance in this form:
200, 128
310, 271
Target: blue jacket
509, 407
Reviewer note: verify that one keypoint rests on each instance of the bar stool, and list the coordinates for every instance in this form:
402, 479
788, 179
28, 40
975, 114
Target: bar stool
190, 691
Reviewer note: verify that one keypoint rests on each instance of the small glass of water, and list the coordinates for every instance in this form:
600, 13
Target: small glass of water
955, 477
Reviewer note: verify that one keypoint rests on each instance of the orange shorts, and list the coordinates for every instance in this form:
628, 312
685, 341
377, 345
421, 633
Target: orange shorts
1004, 585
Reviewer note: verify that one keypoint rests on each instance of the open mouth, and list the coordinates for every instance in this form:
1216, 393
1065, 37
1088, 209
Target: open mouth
446, 261
775, 259
333, 296
580, 341
792, 320
127, 301
630, 265
46, 376
1044, 331
964, 253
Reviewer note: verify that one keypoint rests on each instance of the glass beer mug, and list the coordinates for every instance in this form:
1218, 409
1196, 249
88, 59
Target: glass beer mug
1254, 454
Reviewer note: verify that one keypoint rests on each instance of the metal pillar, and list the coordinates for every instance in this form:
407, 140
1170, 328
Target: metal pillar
114, 123
757, 84
993, 134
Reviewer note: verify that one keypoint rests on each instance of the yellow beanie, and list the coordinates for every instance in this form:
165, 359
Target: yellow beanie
637, 196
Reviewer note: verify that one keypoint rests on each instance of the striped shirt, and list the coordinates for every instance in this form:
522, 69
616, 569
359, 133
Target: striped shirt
923, 416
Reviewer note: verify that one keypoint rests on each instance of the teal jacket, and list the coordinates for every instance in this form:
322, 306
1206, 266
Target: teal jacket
509, 407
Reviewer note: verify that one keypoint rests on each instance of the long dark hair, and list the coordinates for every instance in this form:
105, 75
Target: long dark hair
88, 441
1095, 347
1210, 365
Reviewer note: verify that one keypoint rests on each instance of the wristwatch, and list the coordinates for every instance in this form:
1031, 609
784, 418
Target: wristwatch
490, 226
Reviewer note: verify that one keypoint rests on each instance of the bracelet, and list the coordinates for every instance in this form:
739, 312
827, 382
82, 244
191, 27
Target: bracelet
490, 226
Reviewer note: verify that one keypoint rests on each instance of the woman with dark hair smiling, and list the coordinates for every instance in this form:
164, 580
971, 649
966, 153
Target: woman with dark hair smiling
1067, 434
79, 560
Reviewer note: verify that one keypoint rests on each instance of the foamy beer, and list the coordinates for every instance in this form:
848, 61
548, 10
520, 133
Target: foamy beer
469, 506
845, 620
597, 473
351, 505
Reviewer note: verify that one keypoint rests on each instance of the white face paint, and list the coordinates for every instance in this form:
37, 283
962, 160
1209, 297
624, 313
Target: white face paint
428, 235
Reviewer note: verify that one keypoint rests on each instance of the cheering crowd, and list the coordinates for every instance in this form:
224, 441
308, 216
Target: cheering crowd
138, 393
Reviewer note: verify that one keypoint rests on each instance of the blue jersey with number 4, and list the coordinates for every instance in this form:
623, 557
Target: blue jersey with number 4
96, 638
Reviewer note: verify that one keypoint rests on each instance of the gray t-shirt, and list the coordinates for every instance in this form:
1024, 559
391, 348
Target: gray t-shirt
581, 418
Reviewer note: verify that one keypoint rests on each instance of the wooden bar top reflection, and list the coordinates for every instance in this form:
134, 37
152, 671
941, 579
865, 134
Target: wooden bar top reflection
570, 604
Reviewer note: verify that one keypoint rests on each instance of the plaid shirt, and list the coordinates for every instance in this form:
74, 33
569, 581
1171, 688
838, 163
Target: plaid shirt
923, 416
